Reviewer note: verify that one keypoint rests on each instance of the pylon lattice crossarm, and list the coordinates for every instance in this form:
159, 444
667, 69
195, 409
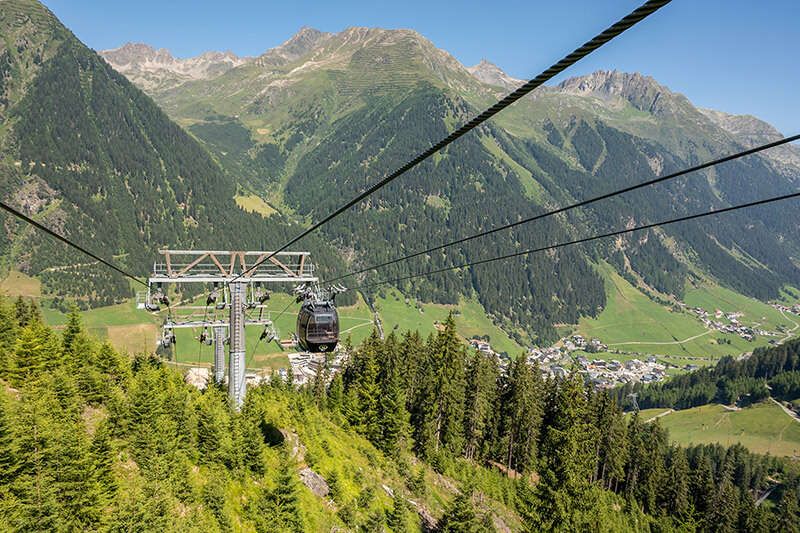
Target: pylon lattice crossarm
209, 266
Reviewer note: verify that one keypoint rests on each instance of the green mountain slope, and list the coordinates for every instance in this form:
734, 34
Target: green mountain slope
89, 154
344, 109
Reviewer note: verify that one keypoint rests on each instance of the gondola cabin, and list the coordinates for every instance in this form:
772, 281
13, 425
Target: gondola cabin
318, 326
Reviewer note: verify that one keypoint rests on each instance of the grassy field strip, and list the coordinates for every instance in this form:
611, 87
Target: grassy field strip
631, 317
762, 428
664, 343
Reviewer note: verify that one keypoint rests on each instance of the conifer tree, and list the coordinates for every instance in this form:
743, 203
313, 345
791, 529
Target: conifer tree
8, 336
438, 413
523, 406
7, 452
320, 383
565, 497
75, 483
787, 518
103, 462
336, 393
72, 329
702, 484
460, 516
412, 358
278, 510
677, 485
35, 351
481, 395
611, 444
397, 518
34, 442
723, 515
214, 427
394, 418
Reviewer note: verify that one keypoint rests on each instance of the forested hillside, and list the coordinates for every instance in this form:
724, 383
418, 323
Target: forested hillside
93, 440
90, 155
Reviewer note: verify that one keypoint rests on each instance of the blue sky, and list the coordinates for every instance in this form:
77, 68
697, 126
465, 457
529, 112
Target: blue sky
733, 55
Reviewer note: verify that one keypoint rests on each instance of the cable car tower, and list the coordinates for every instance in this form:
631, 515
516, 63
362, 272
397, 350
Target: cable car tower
236, 286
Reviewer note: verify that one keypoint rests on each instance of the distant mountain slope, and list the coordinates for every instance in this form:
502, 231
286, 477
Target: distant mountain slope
346, 108
88, 153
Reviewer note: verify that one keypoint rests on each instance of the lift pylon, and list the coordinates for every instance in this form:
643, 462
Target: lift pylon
237, 286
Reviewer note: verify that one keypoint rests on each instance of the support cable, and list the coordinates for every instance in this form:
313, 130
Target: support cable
630, 20
576, 205
586, 239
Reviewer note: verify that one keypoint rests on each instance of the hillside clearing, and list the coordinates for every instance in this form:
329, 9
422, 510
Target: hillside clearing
762, 428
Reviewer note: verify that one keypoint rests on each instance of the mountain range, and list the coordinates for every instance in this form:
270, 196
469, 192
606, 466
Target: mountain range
310, 123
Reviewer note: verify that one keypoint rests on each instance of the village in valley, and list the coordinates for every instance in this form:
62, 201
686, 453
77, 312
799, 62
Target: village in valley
571, 352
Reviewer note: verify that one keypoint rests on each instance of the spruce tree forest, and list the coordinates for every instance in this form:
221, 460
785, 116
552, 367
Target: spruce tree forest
94, 440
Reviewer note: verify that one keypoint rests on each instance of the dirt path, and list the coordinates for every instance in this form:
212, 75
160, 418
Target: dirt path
665, 413
662, 343
786, 410
790, 331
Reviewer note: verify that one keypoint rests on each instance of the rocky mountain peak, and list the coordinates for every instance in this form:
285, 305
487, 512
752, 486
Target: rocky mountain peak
159, 69
490, 74
642, 92
300, 44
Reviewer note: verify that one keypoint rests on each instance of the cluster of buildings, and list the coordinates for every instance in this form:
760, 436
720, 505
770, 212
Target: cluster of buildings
733, 325
794, 309
578, 342
305, 365
608, 374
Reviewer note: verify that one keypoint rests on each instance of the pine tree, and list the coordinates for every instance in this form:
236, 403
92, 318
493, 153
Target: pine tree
72, 329
397, 518
74, 481
460, 516
34, 444
320, 383
611, 444
7, 452
364, 409
565, 495
787, 519
677, 485
481, 395
412, 351
103, 460
522, 418
438, 411
213, 428
8, 336
394, 418
35, 351
278, 510
702, 486
722, 516
336, 393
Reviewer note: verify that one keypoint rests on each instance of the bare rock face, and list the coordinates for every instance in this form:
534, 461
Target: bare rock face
751, 131
315, 482
300, 44
491, 74
153, 69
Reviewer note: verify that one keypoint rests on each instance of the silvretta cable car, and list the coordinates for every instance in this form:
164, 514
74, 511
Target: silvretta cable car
317, 325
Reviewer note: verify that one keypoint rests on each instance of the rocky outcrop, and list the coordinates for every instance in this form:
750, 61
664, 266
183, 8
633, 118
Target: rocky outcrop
315, 482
